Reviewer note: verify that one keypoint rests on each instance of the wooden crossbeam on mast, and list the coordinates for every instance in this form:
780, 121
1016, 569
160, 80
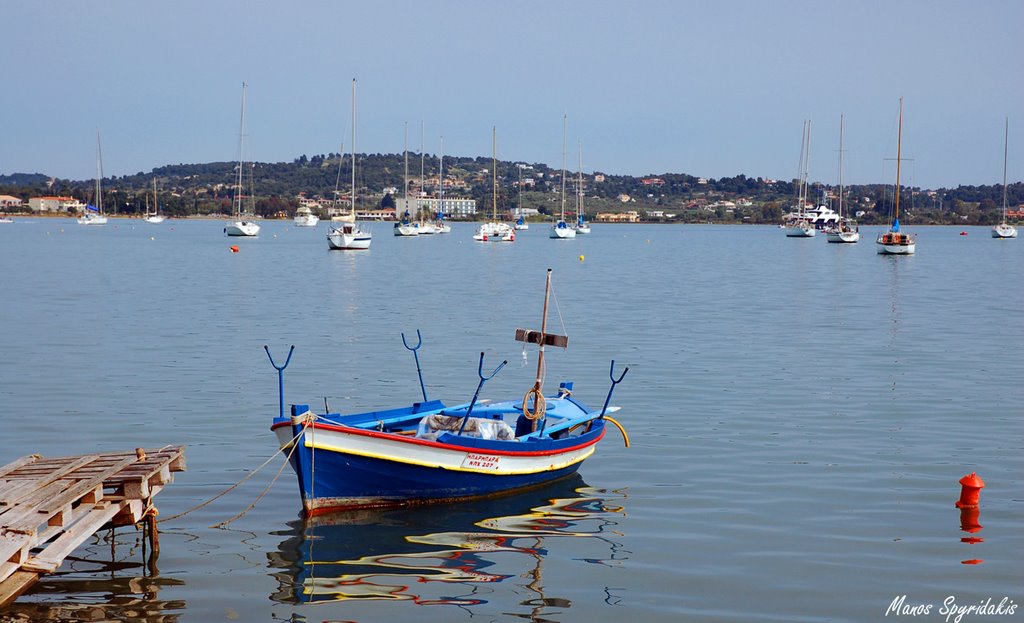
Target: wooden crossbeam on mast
543, 338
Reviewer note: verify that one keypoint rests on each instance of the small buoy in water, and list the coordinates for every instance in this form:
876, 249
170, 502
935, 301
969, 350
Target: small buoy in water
152, 237
275, 235
234, 248
581, 258
963, 233
971, 489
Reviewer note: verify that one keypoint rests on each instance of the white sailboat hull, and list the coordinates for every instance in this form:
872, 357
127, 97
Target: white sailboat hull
154, 218
583, 229
92, 219
1004, 230
406, 230
349, 238
241, 228
443, 228
800, 231
896, 249
307, 220
843, 236
562, 231
495, 232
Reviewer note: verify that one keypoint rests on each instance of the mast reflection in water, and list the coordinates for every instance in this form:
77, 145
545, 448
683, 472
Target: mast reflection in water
399, 554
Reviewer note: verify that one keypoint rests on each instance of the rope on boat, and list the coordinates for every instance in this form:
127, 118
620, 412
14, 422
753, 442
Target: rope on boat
240, 482
539, 404
622, 430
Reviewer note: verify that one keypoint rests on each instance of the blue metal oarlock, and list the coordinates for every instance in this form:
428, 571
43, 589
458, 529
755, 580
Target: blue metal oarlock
280, 377
476, 394
419, 342
611, 374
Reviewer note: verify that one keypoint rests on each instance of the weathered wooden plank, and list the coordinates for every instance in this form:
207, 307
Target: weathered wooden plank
15, 585
18, 463
50, 559
536, 337
78, 490
13, 490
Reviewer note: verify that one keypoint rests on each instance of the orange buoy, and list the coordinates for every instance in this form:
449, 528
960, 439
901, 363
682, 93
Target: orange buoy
969, 519
234, 248
973, 561
971, 489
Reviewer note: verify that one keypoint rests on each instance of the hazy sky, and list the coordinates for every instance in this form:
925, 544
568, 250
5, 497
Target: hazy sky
707, 88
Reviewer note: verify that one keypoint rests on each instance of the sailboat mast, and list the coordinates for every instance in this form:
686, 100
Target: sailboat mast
1006, 143
899, 146
579, 185
440, 180
494, 173
543, 334
564, 118
353, 148
807, 162
99, 174
405, 148
241, 142
419, 203
840, 166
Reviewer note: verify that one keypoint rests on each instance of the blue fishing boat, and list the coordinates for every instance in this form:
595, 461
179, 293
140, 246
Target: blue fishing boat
431, 452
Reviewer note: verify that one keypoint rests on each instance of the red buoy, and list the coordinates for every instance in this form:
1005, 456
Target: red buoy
971, 489
234, 248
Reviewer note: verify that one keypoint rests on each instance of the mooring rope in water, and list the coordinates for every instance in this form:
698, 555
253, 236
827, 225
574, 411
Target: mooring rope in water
622, 430
247, 477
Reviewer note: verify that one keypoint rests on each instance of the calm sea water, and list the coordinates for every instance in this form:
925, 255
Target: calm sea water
799, 412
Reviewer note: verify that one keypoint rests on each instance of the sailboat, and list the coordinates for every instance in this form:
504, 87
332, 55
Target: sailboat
405, 227
1004, 229
241, 226
348, 236
582, 226
94, 213
562, 230
845, 230
894, 241
494, 231
155, 217
798, 225
520, 221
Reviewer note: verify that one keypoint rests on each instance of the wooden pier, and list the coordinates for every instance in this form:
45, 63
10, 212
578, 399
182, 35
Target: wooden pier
48, 507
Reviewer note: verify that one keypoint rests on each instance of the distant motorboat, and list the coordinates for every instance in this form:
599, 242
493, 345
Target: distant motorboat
6, 219
304, 217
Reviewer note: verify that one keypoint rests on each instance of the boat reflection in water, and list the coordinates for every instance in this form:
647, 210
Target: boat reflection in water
396, 554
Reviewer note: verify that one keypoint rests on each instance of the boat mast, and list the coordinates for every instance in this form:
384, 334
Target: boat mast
807, 166
494, 174
440, 180
579, 187
405, 148
353, 149
899, 145
543, 334
99, 174
419, 203
840, 168
1006, 142
241, 141
564, 117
